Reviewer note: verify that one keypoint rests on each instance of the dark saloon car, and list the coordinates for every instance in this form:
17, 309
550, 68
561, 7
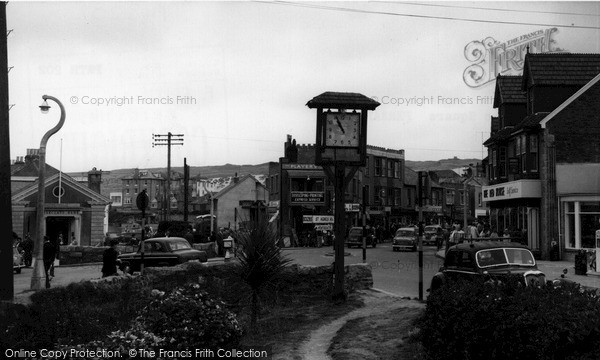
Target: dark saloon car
355, 237
490, 261
162, 252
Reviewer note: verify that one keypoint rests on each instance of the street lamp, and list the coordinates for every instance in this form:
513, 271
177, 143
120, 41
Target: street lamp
38, 267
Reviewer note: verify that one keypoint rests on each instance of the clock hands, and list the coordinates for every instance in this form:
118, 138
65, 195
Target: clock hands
340, 125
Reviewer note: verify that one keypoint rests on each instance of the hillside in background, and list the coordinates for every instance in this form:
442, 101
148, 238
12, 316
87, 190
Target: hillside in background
111, 180
445, 164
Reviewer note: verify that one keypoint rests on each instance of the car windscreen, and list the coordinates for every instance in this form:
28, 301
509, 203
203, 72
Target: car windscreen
179, 245
356, 231
505, 256
431, 228
405, 233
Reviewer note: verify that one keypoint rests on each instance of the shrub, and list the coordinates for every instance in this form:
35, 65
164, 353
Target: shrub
77, 313
175, 228
188, 317
473, 320
260, 262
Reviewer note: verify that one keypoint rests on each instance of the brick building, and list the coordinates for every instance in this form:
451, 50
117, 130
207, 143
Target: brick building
299, 191
544, 153
71, 209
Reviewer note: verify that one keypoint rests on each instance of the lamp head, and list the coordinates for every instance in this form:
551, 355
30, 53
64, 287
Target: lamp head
45, 107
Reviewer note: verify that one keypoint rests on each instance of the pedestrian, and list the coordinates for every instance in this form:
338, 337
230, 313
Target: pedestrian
49, 255
110, 260
27, 250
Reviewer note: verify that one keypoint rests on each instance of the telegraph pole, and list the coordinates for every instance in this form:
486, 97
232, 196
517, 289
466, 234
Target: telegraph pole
167, 140
186, 180
6, 270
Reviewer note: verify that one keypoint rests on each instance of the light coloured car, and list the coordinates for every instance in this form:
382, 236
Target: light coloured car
405, 239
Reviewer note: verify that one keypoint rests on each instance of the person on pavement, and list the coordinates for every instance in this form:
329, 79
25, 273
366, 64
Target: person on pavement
49, 253
109, 260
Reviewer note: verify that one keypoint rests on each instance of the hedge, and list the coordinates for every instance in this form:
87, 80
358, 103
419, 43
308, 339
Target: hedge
476, 320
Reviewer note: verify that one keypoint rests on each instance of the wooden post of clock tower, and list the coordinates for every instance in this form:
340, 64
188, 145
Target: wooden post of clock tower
341, 145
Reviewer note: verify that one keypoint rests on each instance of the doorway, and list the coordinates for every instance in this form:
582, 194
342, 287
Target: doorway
56, 226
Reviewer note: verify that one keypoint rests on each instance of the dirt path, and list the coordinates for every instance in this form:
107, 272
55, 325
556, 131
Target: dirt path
376, 303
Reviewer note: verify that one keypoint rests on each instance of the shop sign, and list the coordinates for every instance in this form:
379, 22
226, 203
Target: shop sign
300, 167
352, 207
513, 190
430, 208
317, 219
307, 197
62, 212
327, 227
274, 204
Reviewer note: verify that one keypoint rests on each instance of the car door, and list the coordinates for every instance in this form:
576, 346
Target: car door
460, 265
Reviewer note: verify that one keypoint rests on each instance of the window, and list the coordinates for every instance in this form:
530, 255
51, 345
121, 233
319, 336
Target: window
378, 166
523, 153
449, 197
462, 197
397, 197
366, 201
479, 200
127, 200
494, 172
367, 166
502, 162
435, 199
390, 168
397, 169
409, 197
533, 153
581, 220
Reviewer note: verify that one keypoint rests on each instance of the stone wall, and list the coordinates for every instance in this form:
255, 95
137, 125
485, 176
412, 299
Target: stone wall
300, 279
72, 255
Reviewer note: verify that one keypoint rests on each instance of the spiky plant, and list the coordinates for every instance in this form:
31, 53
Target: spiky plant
260, 262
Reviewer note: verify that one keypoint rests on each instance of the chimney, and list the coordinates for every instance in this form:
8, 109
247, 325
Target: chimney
32, 154
235, 178
94, 179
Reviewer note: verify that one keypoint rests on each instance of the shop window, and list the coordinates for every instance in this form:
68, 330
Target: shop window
581, 220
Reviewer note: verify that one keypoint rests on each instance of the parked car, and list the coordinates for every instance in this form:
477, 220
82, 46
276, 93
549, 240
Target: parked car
490, 261
161, 252
432, 234
355, 237
405, 238
18, 262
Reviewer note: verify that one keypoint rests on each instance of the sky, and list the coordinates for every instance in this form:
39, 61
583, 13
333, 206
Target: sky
234, 77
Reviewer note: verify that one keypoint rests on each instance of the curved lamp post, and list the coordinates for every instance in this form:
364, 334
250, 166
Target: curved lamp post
39, 274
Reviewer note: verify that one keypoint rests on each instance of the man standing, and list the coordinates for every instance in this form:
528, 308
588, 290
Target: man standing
49, 255
109, 260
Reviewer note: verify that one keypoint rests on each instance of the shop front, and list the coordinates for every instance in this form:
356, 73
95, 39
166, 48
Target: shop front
515, 208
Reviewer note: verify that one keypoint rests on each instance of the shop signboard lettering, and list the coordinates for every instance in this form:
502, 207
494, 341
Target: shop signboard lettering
512, 190
327, 227
307, 197
300, 167
352, 207
317, 219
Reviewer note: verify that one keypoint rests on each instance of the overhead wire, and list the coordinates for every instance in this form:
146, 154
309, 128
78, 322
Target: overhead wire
390, 13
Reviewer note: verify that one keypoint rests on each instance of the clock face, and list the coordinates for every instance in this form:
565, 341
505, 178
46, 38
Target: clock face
342, 130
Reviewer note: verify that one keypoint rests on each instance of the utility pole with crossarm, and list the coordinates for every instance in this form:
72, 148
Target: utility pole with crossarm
167, 140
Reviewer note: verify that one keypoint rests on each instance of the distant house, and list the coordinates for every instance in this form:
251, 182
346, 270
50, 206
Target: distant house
241, 201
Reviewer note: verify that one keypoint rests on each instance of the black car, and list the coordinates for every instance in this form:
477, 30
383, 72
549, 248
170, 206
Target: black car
165, 251
355, 237
489, 260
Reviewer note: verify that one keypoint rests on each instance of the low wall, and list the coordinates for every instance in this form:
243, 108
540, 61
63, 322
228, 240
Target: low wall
72, 255
302, 279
